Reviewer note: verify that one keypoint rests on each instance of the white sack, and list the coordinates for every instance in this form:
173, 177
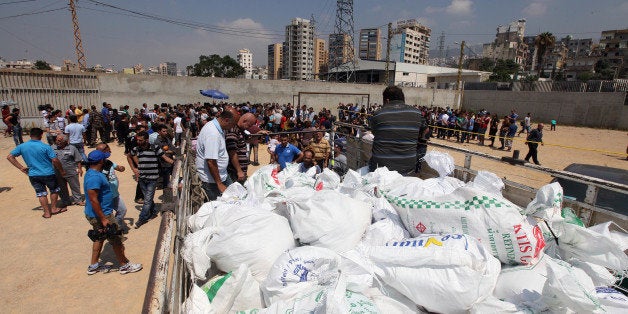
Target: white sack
493, 220
488, 182
263, 181
442, 162
255, 237
442, 273
234, 291
569, 287
298, 270
194, 253
547, 203
197, 302
327, 218
613, 301
590, 246
328, 179
550, 284
618, 237
419, 189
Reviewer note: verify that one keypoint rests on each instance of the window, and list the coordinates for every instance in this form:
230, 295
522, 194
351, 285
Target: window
406, 74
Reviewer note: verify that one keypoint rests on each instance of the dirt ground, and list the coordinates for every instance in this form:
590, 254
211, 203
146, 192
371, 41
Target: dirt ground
44, 260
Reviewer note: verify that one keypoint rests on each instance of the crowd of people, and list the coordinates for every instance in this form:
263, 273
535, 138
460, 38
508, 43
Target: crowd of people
226, 138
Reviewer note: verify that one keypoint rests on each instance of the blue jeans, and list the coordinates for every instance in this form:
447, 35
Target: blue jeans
81, 150
148, 208
17, 135
211, 189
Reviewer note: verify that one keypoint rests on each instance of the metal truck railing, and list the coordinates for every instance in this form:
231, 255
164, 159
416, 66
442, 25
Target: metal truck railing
359, 152
169, 282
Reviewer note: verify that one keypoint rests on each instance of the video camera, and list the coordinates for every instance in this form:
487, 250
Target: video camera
100, 235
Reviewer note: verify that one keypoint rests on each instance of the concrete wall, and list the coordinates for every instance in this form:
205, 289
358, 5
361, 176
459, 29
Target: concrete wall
599, 110
133, 90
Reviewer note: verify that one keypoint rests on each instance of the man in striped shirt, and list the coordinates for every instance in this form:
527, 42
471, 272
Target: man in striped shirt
235, 139
396, 128
146, 157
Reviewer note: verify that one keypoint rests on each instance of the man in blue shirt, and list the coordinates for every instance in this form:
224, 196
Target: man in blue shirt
286, 152
76, 133
99, 213
41, 162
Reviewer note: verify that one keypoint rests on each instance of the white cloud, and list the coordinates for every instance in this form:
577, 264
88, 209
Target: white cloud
535, 8
457, 7
460, 7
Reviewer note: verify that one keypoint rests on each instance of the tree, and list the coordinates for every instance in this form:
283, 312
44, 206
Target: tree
503, 70
543, 42
41, 65
603, 70
189, 69
217, 66
487, 64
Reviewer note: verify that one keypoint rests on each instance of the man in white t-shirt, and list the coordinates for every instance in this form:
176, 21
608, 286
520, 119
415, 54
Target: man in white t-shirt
76, 132
178, 129
212, 157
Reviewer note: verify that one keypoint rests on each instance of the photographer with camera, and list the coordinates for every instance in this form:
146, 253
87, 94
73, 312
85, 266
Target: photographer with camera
99, 213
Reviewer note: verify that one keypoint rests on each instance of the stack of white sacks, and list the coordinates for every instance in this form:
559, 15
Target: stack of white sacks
382, 243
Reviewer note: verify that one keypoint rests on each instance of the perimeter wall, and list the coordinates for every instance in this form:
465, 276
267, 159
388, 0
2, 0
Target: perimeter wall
598, 110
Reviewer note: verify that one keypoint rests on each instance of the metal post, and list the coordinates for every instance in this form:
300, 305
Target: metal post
459, 79
386, 75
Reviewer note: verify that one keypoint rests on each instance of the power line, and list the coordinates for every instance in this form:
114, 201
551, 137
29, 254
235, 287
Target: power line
14, 2
31, 13
29, 43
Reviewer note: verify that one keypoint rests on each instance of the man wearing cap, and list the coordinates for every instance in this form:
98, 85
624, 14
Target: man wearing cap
99, 213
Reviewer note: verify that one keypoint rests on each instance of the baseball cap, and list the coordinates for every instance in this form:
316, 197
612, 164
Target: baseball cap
96, 156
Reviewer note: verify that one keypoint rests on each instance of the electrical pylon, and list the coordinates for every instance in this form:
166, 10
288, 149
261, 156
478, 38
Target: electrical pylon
78, 44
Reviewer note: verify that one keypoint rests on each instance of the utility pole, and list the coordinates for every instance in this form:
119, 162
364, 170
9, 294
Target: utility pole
78, 44
459, 79
386, 75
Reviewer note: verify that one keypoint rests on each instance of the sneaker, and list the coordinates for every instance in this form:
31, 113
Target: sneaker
129, 268
139, 201
255, 163
139, 223
95, 268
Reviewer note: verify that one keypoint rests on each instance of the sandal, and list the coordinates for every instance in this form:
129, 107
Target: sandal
46, 217
59, 211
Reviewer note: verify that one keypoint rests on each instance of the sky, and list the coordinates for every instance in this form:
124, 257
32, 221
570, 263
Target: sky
118, 33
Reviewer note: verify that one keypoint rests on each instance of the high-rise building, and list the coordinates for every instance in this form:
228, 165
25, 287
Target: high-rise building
410, 42
275, 62
298, 50
614, 48
245, 59
320, 58
339, 49
370, 44
509, 43
168, 68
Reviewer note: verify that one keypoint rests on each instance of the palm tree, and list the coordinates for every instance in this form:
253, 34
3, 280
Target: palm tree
543, 42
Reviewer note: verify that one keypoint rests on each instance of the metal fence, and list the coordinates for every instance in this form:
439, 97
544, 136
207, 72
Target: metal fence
32, 88
551, 86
